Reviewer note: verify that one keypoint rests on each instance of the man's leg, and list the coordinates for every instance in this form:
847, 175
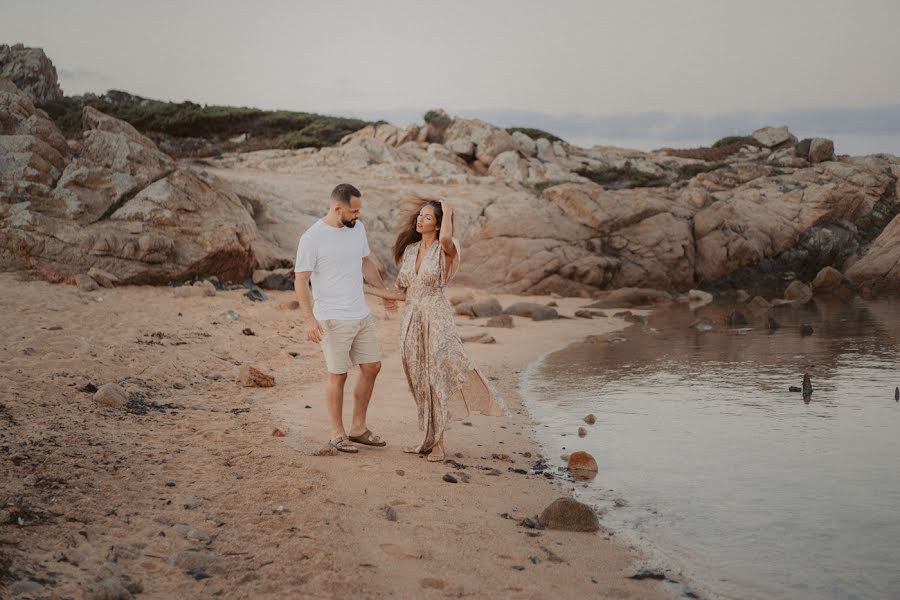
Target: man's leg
361, 396
334, 397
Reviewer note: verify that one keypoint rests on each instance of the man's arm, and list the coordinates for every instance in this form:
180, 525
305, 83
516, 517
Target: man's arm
301, 288
373, 278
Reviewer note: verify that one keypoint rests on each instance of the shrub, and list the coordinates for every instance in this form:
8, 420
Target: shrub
534, 133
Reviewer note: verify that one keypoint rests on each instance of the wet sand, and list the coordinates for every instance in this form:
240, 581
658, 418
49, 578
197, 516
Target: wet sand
199, 484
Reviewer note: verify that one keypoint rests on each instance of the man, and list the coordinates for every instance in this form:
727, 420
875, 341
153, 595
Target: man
333, 254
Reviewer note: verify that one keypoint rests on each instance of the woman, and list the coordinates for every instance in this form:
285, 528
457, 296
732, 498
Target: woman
442, 378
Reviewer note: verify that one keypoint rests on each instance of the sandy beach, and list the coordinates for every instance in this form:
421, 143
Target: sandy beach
197, 497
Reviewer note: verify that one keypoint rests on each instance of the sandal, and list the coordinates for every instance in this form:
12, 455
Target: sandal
342, 444
367, 438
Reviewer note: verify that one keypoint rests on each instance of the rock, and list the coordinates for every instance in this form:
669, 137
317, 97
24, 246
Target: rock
112, 395
289, 305
807, 386
741, 296
31, 71
806, 330
86, 284
584, 314
794, 388
590, 419
465, 149
736, 319
759, 304
389, 513
231, 315
632, 297
485, 308
699, 297
701, 325
502, 321
772, 324
534, 311
459, 299
639, 319
198, 560
567, 514
277, 433
879, 267
582, 465
479, 338
248, 331
582, 432
25, 587
820, 150
193, 534
526, 144
102, 277
109, 588
279, 279
253, 377
798, 292
489, 141
30, 480
827, 280
449, 478
771, 137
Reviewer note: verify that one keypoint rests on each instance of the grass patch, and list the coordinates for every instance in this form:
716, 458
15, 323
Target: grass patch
216, 123
734, 139
438, 119
534, 133
619, 178
691, 171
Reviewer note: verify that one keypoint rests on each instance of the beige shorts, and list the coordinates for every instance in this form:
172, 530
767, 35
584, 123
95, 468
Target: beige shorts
348, 343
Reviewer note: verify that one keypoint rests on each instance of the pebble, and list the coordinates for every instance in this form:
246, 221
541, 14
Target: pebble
30, 480
590, 419
389, 513
401, 472
449, 478
582, 432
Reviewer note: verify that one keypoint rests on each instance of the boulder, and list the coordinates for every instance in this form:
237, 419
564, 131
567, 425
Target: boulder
484, 308
253, 377
526, 144
567, 514
631, 297
582, 464
879, 267
827, 280
820, 150
798, 292
31, 71
111, 395
771, 137
533, 311
502, 321
489, 141
479, 338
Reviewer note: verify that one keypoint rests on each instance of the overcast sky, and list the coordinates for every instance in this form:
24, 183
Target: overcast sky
645, 73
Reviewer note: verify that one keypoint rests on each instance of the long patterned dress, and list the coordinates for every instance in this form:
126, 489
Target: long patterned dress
444, 381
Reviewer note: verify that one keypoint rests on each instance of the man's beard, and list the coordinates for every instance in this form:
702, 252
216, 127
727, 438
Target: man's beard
349, 224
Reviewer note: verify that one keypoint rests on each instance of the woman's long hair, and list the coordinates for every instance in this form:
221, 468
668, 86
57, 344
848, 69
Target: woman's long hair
406, 231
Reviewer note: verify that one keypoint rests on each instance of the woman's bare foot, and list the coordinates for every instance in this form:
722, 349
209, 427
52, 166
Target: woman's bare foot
437, 453
412, 450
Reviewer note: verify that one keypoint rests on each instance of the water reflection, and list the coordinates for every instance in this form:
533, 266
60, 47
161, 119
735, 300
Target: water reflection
750, 489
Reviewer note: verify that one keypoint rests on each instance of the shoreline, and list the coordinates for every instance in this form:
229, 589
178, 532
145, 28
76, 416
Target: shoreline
189, 490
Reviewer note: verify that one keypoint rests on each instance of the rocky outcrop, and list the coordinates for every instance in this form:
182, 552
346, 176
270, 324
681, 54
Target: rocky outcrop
31, 71
117, 204
879, 268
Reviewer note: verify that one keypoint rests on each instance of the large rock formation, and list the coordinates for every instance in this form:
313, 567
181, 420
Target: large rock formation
31, 71
117, 204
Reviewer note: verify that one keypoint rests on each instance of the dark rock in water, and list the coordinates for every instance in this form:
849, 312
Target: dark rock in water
794, 388
806, 330
807, 386
568, 514
897, 394
736, 319
773, 324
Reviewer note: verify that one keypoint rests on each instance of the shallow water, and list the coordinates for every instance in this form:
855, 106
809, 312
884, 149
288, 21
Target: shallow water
736, 481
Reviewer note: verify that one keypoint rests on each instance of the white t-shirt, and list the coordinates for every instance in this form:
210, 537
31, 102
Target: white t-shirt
334, 257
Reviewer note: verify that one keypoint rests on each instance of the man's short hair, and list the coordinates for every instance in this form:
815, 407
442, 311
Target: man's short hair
343, 192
